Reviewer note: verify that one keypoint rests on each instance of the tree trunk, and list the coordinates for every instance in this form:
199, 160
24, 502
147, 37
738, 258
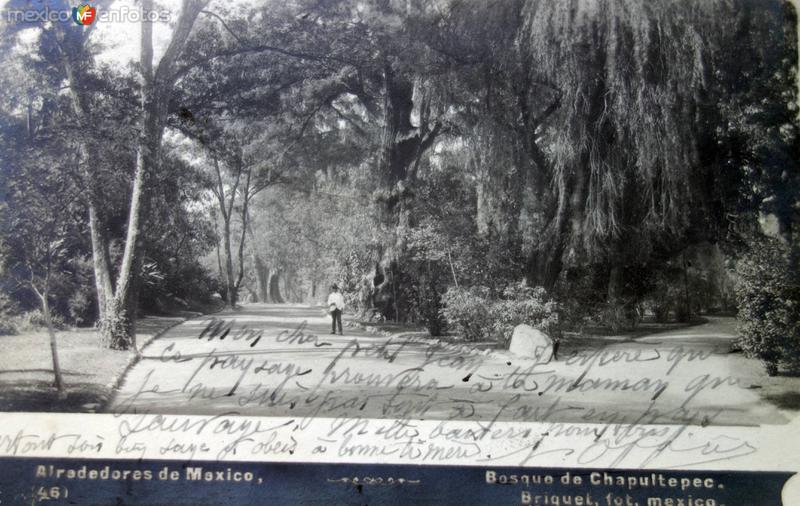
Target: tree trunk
262, 278
616, 303
100, 261
262, 272
402, 148
312, 291
402, 144
275, 287
685, 307
132, 307
546, 260
245, 215
501, 177
118, 327
57, 379
398, 142
222, 278
232, 290
226, 209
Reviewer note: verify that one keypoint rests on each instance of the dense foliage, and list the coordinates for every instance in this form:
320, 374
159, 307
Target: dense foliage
769, 304
478, 315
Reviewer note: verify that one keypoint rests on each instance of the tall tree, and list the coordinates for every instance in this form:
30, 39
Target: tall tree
157, 83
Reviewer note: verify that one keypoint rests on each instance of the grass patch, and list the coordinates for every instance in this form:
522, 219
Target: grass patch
89, 371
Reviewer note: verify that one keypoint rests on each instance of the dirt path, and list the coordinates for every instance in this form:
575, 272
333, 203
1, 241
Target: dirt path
286, 363
718, 332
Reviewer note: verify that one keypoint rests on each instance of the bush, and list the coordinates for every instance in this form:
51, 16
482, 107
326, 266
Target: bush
356, 287
82, 305
31, 321
168, 285
425, 303
524, 304
7, 310
768, 295
419, 293
582, 293
477, 316
7, 328
661, 311
467, 311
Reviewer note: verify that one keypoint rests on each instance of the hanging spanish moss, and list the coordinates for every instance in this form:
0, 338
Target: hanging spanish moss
629, 76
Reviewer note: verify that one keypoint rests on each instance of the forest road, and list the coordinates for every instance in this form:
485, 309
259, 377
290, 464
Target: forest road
280, 360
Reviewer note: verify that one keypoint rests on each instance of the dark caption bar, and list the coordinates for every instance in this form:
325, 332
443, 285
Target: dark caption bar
150, 483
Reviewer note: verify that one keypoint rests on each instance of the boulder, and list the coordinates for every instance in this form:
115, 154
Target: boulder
529, 342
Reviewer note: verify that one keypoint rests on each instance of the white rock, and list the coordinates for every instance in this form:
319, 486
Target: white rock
527, 341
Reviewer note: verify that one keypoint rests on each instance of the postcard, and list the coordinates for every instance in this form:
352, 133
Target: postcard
400, 251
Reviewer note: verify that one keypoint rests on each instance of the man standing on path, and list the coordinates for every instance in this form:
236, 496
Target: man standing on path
335, 308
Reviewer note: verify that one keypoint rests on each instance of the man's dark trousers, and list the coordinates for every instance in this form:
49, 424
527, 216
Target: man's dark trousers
337, 317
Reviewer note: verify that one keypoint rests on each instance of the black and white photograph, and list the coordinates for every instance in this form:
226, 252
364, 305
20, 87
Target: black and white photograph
479, 212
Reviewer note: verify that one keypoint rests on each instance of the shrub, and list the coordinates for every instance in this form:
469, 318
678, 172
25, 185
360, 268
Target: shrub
467, 311
528, 305
661, 311
476, 316
582, 296
426, 304
355, 286
7, 327
82, 305
768, 295
33, 320
168, 285
7, 310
